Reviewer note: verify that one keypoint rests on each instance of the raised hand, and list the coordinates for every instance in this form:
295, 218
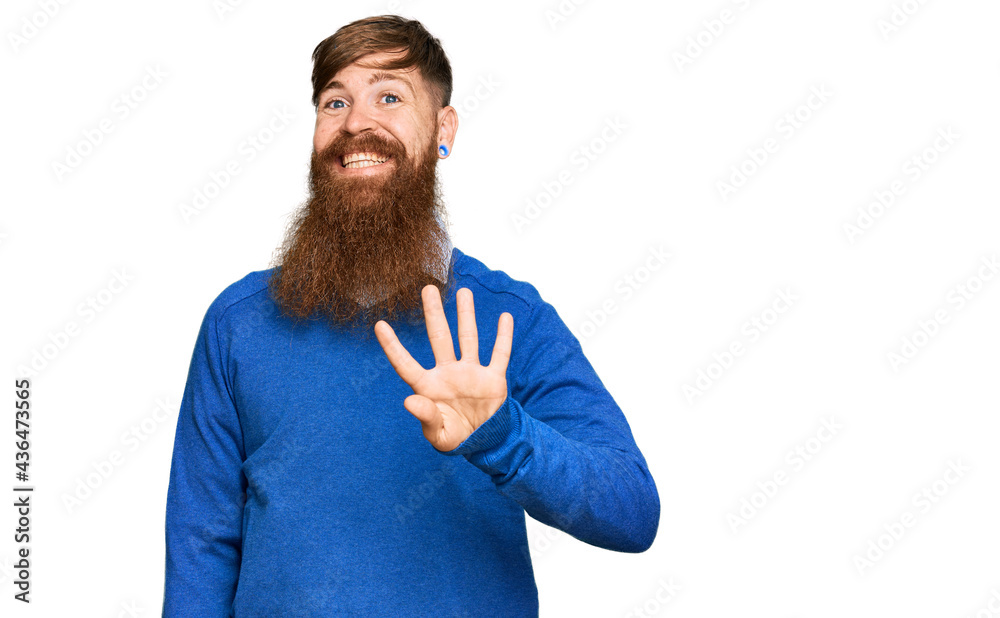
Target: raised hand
456, 396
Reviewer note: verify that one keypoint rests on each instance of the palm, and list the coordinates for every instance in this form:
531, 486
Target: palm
454, 397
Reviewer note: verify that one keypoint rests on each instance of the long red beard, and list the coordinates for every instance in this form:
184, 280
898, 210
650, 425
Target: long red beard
363, 247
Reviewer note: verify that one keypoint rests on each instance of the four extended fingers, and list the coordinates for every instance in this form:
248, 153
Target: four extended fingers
468, 336
439, 335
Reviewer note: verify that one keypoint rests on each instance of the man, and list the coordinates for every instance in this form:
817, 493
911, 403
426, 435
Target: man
298, 485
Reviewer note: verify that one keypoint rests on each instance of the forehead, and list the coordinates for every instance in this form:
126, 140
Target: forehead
369, 67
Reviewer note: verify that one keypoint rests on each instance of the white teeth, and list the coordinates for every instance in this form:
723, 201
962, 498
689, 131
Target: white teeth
363, 157
365, 163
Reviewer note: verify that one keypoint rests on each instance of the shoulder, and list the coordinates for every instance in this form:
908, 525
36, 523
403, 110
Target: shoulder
471, 272
543, 343
245, 292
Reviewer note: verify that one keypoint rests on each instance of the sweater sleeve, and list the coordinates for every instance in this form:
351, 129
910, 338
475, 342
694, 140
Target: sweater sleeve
207, 489
560, 446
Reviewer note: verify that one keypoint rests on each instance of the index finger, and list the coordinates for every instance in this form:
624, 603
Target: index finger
404, 364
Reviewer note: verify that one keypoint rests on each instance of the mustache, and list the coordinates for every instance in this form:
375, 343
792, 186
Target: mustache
366, 142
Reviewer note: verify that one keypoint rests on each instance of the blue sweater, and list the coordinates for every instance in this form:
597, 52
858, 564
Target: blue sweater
301, 486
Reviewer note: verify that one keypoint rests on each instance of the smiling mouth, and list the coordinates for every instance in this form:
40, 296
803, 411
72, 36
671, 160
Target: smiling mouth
357, 160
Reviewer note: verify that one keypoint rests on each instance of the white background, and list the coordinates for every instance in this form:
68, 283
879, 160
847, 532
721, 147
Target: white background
557, 83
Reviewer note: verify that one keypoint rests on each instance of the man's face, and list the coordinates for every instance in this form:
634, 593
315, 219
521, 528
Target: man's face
373, 232
395, 106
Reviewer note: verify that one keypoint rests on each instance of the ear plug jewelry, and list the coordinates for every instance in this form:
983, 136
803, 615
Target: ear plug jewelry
443, 150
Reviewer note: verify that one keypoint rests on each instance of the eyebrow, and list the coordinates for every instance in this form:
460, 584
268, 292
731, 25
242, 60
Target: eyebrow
377, 76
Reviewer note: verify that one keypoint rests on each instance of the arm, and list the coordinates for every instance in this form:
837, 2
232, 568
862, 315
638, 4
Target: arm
560, 446
207, 490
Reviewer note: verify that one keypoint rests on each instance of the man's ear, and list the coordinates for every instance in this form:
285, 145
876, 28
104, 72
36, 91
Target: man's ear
447, 126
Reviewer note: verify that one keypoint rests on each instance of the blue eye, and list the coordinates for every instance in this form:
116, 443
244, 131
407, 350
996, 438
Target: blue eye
333, 103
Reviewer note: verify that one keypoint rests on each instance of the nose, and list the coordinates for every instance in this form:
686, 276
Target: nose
359, 118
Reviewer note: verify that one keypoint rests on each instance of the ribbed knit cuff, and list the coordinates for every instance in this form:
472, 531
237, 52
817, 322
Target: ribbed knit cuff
497, 429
